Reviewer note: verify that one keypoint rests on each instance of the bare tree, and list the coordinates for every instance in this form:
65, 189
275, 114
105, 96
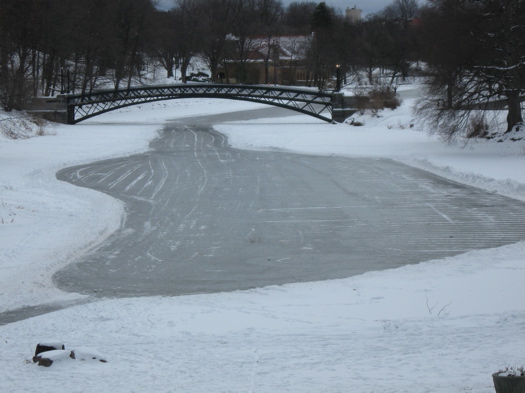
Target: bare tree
244, 31
217, 18
500, 28
373, 46
18, 36
401, 10
56, 28
478, 58
129, 22
297, 17
165, 40
89, 43
321, 55
269, 16
188, 28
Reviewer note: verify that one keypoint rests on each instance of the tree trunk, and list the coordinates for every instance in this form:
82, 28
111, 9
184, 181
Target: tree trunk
47, 74
184, 69
450, 95
88, 72
213, 69
35, 71
514, 116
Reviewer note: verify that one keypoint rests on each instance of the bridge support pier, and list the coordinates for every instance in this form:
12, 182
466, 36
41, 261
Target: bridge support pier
49, 108
342, 107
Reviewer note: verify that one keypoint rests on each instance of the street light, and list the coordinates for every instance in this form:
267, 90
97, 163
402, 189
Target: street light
64, 80
61, 80
338, 77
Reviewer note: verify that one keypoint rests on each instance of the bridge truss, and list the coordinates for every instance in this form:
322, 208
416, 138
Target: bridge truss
303, 100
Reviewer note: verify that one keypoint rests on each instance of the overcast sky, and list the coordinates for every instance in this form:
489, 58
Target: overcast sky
368, 6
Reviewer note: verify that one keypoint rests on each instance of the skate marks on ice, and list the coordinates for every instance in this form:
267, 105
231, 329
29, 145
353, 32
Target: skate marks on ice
203, 217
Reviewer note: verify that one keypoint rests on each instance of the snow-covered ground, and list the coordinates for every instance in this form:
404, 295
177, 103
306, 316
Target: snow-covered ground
439, 326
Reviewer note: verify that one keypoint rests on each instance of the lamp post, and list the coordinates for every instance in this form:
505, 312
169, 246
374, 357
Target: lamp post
64, 80
338, 77
61, 80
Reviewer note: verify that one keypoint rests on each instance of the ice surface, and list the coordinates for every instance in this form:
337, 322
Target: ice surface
439, 326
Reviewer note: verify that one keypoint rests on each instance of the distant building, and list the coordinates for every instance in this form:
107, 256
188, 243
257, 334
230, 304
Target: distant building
416, 22
353, 15
269, 60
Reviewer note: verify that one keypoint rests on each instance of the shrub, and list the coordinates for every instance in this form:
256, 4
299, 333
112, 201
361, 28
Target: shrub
478, 127
22, 127
378, 98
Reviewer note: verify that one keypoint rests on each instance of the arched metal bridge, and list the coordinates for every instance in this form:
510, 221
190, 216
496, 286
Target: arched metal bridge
307, 101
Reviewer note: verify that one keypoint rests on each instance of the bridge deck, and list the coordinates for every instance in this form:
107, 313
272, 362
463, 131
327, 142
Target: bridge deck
304, 100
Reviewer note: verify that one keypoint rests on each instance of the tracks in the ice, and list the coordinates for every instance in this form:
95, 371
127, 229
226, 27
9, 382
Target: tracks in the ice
204, 217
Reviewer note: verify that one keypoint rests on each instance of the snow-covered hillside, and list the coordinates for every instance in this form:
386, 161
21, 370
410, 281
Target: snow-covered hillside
439, 326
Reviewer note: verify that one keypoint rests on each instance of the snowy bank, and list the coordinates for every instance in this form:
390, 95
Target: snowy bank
495, 167
46, 223
439, 326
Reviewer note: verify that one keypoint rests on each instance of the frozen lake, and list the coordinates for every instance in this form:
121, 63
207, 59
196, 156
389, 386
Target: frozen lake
204, 217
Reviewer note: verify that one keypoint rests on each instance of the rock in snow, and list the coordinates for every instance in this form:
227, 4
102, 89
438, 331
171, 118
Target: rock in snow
45, 346
47, 358
86, 353
47, 353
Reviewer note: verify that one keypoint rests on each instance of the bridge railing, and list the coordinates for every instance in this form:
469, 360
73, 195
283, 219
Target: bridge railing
304, 100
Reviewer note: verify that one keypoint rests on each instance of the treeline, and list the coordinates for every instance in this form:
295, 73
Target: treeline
49, 46
473, 51
46, 43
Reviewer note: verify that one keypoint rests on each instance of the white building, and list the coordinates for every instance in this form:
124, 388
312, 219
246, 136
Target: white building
353, 15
